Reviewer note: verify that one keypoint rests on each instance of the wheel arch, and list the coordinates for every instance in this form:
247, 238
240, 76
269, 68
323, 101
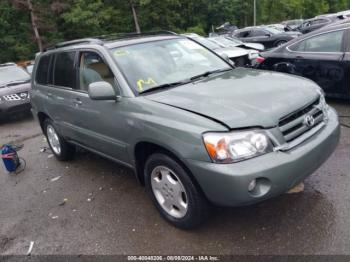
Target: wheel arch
41, 117
144, 149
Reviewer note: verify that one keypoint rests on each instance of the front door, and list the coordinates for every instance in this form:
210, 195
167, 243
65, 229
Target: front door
319, 58
100, 125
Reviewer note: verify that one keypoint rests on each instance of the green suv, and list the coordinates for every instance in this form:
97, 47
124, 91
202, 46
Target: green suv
195, 130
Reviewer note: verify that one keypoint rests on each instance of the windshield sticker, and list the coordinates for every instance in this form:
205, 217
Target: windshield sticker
189, 44
121, 52
141, 83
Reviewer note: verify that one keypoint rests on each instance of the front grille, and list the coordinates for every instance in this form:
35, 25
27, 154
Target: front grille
16, 97
241, 61
296, 124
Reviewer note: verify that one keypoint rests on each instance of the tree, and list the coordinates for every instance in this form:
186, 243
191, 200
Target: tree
134, 14
28, 5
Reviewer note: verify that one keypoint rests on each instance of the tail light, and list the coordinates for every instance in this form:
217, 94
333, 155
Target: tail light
260, 59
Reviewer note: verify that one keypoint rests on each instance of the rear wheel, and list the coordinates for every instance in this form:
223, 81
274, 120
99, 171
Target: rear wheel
60, 148
173, 192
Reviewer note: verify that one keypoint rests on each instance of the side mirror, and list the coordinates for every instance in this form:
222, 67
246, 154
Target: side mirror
268, 35
101, 91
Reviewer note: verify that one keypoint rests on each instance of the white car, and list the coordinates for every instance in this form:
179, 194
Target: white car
240, 56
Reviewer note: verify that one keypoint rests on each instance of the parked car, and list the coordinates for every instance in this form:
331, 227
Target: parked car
280, 27
269, 37
293, 24
322, 56
345, 14
193, 128
235, 42
29, 67
14, 90
237, 55
316, 23
225, 43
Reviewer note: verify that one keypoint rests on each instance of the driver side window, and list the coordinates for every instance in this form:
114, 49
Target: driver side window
93, 69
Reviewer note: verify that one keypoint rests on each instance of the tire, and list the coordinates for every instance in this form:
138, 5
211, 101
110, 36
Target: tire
281, 42
165, 178
66, 151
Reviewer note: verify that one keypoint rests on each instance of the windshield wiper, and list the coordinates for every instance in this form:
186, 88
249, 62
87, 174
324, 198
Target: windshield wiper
208, 73
165, 86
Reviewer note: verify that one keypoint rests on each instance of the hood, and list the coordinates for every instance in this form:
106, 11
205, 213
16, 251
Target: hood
232, 51
292, 33
255, 46
14, 89
242, 97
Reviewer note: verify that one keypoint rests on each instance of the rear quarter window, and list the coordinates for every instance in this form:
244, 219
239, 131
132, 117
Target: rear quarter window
43, 70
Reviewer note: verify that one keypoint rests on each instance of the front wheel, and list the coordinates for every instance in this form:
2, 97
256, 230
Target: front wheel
174, 193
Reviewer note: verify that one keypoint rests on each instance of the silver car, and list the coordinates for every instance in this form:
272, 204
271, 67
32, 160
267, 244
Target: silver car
239, 56
14, 90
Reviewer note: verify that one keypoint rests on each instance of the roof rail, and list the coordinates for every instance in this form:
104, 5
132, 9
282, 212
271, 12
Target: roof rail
77, 42
99, 40
116, 36
7, 64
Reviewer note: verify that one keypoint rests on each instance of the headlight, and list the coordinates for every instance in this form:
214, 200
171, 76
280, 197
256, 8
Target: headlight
253, 54
323, 103
237, 145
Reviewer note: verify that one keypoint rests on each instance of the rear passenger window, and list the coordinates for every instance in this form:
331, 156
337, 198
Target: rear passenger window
43, 70
64, 72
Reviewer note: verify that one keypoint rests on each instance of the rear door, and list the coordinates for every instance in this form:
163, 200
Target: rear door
320, 58
59, 91
263, 37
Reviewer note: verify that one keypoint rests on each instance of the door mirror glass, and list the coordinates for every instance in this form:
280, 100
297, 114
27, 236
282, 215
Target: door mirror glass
101, 91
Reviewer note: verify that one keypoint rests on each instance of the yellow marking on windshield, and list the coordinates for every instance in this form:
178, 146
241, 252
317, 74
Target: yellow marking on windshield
121, 52
141, 83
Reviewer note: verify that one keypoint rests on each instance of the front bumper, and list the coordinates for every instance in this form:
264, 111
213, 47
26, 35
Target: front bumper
227, 184
12, 107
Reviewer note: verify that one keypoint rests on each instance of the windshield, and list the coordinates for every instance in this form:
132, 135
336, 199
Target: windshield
157, 63
272, 30
11, 74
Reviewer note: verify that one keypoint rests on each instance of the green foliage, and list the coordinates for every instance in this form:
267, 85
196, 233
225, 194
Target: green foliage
196, 29
70, 19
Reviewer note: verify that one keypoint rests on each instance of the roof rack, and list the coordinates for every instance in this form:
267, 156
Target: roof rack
77, 42
99, 40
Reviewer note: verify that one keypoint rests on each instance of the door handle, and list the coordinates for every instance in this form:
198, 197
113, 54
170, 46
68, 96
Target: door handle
49, 94
299, 57
77, 102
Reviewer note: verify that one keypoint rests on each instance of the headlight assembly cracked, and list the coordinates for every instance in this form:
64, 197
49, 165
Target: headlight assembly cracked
237, 146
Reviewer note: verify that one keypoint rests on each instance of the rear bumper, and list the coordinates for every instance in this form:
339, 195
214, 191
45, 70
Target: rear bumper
227, 185
12, 107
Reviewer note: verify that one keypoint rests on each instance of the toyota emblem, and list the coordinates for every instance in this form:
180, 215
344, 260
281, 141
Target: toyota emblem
309, 120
